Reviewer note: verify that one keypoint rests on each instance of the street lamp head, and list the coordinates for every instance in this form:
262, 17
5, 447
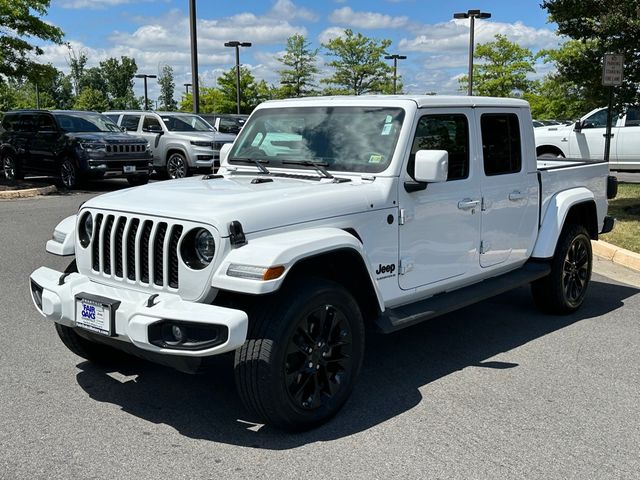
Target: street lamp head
233, 43
402, 57
245, 44
472, 13
144, 75
460, 15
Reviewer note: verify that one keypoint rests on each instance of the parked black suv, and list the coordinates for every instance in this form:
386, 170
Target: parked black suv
72, 146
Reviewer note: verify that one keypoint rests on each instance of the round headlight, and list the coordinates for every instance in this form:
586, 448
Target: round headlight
86, 229
205, 246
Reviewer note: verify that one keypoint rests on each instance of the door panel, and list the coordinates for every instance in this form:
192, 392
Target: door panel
589, 142
628, 142
440, 237
509, 193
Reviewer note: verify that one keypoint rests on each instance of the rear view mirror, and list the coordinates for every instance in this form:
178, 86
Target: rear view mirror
224, 153
578, 126
431, 166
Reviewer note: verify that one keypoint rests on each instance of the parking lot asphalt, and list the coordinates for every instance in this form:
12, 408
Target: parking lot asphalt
496, 390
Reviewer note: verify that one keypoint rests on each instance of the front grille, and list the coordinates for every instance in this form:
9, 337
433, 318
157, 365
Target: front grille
143, 251
126, 148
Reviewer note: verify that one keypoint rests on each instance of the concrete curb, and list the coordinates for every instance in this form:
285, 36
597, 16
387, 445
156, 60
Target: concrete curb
617, 255
28, 192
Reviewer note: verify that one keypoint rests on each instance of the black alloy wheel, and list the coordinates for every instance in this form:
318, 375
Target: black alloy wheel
10, 167
68, 174
318, 357
176, 166
576, 271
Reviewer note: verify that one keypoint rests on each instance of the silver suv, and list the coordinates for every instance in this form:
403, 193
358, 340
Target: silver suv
181, 143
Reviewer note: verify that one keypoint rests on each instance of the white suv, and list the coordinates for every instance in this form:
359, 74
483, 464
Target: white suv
180, 142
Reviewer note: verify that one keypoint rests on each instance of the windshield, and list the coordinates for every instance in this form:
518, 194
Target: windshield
85, 122
186, 123
348, 139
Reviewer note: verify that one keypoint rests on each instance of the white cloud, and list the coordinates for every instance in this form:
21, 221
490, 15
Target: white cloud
97, 4
286, 9
371, 20
330, 34
454, 36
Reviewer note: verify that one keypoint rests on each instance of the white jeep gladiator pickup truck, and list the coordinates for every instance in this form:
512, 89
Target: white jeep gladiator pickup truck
328, 215
586, 139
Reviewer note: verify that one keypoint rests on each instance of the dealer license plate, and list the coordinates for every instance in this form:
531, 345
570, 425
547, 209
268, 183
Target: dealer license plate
129, 168
94, 315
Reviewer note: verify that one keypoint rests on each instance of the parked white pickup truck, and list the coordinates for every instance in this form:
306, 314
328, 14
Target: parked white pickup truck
328, 215
586, 139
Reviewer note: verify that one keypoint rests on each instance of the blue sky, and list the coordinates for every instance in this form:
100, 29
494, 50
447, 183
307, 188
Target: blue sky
156, 32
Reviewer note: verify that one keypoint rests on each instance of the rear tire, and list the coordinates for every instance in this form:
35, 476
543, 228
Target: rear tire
564, 289
302, 355
11, 168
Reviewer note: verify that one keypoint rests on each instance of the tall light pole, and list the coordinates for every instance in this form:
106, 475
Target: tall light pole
194, 56
236, 44
145, 76
395, 57
472, 15
186, 87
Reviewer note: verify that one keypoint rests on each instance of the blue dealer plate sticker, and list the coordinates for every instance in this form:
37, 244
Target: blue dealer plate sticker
93, 316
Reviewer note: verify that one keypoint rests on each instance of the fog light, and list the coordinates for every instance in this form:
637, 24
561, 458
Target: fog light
178, 333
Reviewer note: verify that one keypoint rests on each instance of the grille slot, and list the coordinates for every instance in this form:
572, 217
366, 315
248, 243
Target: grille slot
137, 250
95, 248
144, 251
158, 255
176, 232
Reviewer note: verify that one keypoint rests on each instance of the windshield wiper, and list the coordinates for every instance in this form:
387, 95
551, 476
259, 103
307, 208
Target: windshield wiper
319, 166
257, 163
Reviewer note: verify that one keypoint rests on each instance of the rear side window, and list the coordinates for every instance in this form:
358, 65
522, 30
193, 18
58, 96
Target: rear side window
633, 117
130, 122
501, 147
9, 122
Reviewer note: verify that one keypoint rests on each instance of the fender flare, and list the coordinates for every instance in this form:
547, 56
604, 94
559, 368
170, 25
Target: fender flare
554, 218
286, 249
65, 231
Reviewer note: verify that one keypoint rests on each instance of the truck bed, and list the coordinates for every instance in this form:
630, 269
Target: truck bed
564, 174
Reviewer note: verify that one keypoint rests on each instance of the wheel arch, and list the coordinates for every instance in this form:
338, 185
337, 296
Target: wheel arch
330, 253
571, 207
553, 149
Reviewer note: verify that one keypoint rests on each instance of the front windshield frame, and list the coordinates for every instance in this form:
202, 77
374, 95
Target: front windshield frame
358, 139
179, 123
77, 122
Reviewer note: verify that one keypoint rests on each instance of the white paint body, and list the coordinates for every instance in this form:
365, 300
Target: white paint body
444, 237
588, 143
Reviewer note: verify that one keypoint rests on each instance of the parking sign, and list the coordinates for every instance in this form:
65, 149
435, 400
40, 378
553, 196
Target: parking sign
612, 68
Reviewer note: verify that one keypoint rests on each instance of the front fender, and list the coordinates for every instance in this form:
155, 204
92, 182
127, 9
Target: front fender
554, 219
63, 241
285, 249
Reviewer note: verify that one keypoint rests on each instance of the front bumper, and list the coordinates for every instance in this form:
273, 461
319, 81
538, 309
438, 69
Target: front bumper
116, 168
135, 314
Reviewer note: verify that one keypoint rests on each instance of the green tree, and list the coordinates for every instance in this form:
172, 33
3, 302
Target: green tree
118, 75
77, 63
358, 66
91, 100
20, 21
249, 94
297, 79
167, 89
605, 26
502, 69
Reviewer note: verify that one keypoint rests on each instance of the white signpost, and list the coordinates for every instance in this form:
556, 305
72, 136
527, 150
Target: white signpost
612, 70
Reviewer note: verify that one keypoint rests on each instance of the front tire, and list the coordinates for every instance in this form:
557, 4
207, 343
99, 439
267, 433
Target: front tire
68, 174
302, 355
177, 166
564, 289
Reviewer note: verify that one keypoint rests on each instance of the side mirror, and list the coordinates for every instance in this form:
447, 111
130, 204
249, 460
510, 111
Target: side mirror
153, 129
431, 166
578, 126
224, 153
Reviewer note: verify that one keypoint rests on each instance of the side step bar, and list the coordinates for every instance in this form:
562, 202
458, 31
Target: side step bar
407, 315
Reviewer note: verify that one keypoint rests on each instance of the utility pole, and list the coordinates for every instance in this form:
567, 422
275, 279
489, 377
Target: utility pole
194, 56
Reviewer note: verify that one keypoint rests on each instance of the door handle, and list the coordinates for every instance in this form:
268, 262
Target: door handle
605, 135
468, 204
515, 196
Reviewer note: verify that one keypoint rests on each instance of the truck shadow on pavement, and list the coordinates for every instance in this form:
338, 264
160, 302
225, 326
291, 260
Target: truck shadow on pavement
395, 368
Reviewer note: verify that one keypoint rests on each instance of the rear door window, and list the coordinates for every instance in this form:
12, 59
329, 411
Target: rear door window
501, 147
46, 123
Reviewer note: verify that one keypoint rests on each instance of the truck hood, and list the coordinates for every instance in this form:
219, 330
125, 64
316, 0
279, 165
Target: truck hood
258, 206
106, 137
